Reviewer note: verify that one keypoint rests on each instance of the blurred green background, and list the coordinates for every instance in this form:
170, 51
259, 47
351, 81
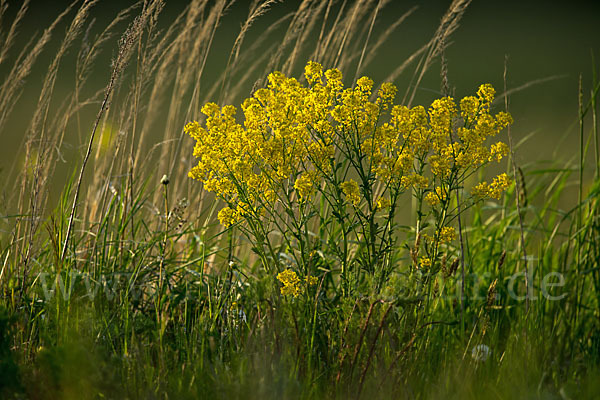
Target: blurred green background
541, 39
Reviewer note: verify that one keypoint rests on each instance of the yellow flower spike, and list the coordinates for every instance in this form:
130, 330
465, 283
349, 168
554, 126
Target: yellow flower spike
469, 107
263, 96
275, 79
404, 162
497, 151
441, 164
210, 110
386, 95
432, 199
415, 180
333, 76
364, 84
441, 115
503, 119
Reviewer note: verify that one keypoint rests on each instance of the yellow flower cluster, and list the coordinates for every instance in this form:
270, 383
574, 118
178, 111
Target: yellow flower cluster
350, 189
424, 262
494, 189
446, 234
304, 184
291, 283
312, 280
436, 196
228, 216
294, 135
383, 203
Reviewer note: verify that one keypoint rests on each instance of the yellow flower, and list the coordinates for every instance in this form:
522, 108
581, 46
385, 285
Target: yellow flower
493, 190
350, 189
486, 93
499, 185
297, 135
415, 180
312, 280
469, 107
228, 216
304, 185
498, 150
424, 262
383, 203
447, 234
432, 199
481, 190
386, 94
435, 197
313, 72
504, 119
441, 116
290, 281
334, 77
364, 84
442, 161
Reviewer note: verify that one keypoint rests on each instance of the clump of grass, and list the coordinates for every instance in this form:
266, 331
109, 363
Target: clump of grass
316, 288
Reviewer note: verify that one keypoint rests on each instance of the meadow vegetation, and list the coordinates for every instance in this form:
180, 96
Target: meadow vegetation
331, 240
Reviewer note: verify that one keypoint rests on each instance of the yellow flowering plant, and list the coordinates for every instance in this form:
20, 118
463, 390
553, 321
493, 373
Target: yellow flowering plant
325, 166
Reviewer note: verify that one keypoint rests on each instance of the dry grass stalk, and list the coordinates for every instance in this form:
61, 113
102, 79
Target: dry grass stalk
491, 293
7, 41
380, 4
256, 10
39, 149
449, 23
126, 44
306, 24
100, 181
10, 90
515, 168
374, 48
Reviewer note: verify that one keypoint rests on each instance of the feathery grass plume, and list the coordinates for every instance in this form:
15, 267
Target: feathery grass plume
193, 35
124, 52
7, 39
39, 137
127, 117
11, 88
256, 10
